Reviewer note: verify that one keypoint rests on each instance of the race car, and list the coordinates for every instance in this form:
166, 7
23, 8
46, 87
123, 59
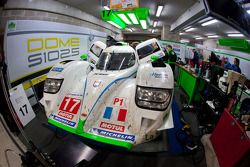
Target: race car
121, 99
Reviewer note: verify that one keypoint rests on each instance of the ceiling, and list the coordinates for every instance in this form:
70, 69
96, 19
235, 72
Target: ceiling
171, 11
221, 29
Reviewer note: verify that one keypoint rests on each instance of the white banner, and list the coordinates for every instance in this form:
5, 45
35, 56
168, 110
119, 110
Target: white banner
32, 46
21, 105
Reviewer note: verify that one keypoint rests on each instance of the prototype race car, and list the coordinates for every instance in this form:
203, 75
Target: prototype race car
122, 100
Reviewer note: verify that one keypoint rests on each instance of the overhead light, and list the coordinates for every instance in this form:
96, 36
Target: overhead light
187, 27
114, 24
206, 19
190, 29
248, 11
209, 22
153, 30
124, 18
155, 23
184, 41
212, 36
235, 35
159, 10
181, 33
199, 38
106, 7
133, 18
130, 29
143, 24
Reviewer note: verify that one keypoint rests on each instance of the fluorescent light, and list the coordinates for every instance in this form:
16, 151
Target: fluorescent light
184, 41
159, 10
106, 7
235, 35
199, 38
181, 33
130, 29
248, 11
206, 19
124, 18
212, 36
155, 23
190, 29
209, 22
133, 18
143, 24
153, 30
114, 24
187, 27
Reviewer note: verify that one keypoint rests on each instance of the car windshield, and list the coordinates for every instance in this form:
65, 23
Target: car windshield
115, 61
148, 50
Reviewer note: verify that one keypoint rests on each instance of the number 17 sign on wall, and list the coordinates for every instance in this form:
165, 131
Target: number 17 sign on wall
21, 105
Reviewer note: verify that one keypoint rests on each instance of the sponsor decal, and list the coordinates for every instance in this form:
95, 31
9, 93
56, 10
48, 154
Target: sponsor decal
113, 127
57, 69
12, 25
64, 121
115, 135
45, 50
159, 75
121, 114
119, 101
96, 83
70, 105
66, 115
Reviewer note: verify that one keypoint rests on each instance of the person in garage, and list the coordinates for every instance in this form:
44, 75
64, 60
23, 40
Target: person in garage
236, 65
227, 64
172, 57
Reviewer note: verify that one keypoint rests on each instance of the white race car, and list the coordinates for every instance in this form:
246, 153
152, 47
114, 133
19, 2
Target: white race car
122, 100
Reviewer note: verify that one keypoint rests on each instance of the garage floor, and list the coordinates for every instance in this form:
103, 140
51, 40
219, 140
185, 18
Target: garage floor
49, 141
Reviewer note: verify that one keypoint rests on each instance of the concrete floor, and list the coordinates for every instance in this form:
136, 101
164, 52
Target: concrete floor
48, 141
6, 143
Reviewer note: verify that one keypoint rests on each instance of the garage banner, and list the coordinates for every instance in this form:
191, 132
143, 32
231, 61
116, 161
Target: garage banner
178, 48
32, 47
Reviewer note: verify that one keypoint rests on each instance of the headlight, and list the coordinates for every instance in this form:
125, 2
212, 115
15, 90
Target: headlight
52, 85
153, 98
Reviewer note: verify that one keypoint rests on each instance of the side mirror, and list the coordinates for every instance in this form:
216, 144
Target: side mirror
154, 58
84, 57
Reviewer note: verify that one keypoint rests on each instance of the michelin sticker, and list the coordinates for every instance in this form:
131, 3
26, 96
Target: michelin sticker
115, 135
64, 121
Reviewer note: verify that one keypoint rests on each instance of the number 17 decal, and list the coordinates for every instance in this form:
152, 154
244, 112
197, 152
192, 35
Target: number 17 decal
70, 105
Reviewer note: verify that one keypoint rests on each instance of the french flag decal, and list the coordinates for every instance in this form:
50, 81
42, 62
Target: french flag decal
121, 114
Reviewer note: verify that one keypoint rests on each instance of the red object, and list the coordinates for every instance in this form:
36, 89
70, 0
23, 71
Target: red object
229, 140
122, 115
70, 105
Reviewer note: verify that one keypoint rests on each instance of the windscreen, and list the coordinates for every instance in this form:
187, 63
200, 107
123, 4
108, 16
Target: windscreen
115, 61
148, 50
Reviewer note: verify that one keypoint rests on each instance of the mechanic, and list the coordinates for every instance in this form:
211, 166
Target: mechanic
236, 65
172, 57
195, 58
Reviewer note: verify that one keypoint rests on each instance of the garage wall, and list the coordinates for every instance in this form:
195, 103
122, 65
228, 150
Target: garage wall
50, 10
166, 34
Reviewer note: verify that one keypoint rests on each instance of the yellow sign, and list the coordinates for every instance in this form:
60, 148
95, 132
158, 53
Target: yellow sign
124, 4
